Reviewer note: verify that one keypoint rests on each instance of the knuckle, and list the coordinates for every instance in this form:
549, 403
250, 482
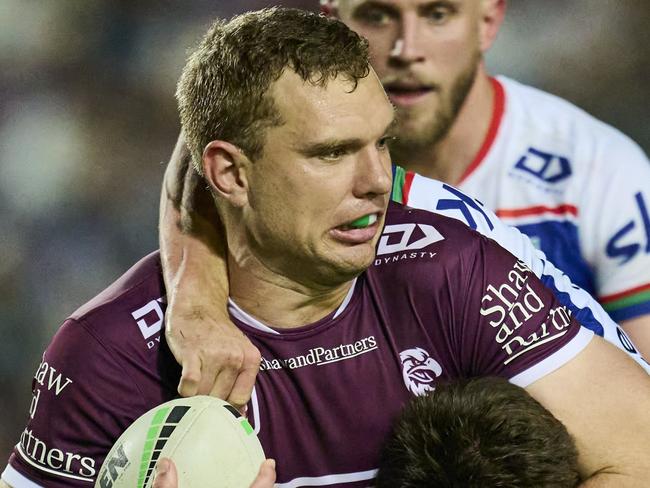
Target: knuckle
185, 390
226, 358
252, 357
191, 377
235, 358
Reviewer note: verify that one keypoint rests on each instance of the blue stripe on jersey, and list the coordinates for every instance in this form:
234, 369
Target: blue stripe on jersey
559, 241
392, 191
583, 315
630, 312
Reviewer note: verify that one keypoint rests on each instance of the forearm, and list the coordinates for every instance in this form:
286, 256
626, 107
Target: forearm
215, 355
192, 244
195, 264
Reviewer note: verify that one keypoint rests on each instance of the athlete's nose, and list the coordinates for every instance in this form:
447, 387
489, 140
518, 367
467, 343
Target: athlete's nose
374, 175
406, 49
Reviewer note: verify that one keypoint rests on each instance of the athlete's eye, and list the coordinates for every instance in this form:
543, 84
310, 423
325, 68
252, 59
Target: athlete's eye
438, 13
334, 155
374, 15
382, 144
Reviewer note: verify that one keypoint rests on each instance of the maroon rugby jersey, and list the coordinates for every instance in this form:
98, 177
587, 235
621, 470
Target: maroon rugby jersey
440, 302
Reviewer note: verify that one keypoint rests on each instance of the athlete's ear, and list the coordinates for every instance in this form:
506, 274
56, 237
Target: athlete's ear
492, 13
224, 168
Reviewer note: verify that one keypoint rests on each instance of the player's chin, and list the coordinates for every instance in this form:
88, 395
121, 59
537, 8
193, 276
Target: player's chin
416, 122
347, 260
356, 259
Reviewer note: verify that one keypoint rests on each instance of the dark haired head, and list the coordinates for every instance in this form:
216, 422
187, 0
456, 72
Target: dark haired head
478, 433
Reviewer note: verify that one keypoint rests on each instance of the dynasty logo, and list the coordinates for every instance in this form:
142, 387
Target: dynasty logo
406, 241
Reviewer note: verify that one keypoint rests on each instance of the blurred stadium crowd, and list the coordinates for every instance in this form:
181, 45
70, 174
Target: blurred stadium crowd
88, 120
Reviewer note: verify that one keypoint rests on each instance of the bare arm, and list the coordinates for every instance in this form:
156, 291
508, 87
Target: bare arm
603, 398
638, 329
217, 359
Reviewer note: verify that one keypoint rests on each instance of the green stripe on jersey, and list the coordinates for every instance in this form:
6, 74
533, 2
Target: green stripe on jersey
398, 185
624, 302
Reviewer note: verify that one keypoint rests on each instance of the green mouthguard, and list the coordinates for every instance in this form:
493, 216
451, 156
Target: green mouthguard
361, 222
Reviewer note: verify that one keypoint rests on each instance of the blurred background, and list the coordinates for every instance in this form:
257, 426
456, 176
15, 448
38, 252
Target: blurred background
88, 120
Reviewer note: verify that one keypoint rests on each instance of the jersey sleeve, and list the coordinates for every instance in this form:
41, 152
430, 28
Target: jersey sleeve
434, 196
511, 324
81, 399
615, 223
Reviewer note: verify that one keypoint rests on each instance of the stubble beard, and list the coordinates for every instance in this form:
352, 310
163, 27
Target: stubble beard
411, 141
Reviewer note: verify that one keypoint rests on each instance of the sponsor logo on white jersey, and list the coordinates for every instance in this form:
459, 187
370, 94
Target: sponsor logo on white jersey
429, 235
419, 370
544, 166
634, 237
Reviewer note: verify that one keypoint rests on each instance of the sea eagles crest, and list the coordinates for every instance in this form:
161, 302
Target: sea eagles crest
419, 370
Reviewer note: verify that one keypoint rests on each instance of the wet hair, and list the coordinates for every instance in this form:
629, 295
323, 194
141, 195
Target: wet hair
223, 91
478, 433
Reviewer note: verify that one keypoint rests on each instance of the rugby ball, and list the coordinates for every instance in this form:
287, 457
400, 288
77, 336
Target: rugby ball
211, 444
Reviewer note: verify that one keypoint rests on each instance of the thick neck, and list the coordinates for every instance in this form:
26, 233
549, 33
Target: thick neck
449, 159
277, 300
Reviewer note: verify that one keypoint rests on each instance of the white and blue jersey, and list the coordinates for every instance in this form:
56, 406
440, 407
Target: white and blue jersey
438, 197
578, 187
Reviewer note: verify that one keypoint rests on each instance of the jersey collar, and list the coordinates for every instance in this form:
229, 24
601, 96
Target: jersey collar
497, 115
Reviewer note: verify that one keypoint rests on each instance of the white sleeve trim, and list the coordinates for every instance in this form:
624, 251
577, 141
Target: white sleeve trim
554, 361
329, 479
16, 480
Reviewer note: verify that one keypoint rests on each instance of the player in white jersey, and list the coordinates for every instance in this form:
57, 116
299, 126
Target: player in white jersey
579, 188
541, 163
576, 186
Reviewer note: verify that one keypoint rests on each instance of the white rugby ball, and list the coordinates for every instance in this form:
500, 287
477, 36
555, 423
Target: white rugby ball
211, 444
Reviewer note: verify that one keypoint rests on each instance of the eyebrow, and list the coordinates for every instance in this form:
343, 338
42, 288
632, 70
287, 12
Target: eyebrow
387, 7
392, 10
346, 145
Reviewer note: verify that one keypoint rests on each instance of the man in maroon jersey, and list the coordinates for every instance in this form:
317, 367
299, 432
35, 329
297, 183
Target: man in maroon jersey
355, 304
429, 55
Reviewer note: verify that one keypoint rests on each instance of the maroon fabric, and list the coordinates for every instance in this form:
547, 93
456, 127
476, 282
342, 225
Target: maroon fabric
440, 302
